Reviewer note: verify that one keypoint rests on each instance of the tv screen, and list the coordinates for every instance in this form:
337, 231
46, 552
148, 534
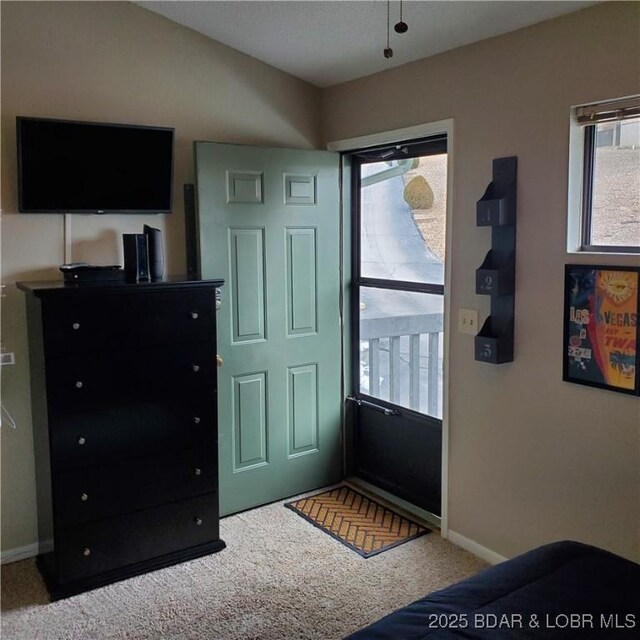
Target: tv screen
87, 167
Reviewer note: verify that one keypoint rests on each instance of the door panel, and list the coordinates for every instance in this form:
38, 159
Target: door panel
265, 219
301, 280
302, 402
250, 420
247, 285
401, 454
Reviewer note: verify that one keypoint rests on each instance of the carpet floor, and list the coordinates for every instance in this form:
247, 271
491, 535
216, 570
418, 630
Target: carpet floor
280, 578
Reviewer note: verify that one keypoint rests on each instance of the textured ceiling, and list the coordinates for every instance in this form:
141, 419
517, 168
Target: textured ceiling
326, 43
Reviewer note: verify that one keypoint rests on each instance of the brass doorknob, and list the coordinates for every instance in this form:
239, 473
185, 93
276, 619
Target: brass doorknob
219, 361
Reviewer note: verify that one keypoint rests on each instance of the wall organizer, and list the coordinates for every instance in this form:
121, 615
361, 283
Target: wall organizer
496, 275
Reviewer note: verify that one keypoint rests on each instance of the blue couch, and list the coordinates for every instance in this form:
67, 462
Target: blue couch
561, 590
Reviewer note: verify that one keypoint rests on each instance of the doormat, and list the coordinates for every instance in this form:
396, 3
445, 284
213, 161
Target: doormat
358, 522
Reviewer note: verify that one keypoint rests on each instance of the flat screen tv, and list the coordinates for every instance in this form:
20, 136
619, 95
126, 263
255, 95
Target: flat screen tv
90, 167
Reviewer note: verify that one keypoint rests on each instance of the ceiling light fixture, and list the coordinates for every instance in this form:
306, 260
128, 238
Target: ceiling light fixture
399, 27
388, 52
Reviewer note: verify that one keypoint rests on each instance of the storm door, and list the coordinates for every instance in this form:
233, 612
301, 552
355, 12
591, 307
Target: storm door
398, 257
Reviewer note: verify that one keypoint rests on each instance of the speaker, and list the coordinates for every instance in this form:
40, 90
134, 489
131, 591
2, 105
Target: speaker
191, 232
136, 257
156, 254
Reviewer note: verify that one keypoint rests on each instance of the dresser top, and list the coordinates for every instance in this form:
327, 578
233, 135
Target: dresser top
59, 287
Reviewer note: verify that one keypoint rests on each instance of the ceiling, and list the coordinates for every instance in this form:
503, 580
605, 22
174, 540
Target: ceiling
326, 43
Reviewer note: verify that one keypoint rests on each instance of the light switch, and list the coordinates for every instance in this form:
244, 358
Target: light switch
7, 358
468, 321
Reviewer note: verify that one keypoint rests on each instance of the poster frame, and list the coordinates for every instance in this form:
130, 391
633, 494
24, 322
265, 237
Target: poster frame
571, 269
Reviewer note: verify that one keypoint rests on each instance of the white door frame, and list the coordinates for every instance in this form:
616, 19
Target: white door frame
399, 136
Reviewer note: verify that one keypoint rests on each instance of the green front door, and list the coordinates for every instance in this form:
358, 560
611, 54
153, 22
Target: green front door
268, 223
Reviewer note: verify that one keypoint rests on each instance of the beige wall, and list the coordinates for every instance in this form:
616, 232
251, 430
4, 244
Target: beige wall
532, 458
114, 62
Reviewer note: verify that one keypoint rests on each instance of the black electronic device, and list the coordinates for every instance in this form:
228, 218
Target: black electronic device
191, 231
136, 257
156, 253
81, 272
87, 167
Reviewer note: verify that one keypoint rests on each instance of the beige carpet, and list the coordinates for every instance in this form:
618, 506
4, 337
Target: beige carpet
279, 578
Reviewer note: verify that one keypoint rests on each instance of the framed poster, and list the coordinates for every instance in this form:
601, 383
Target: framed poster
601, 309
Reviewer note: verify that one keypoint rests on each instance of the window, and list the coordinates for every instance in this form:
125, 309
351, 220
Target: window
610, 211
398, 264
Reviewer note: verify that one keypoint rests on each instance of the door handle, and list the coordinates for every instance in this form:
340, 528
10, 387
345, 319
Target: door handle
372, 405
219, 361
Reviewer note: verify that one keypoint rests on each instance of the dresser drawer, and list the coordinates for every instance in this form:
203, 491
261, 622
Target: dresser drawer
90, 549
103, 492
105, 433
106, 322
120, 377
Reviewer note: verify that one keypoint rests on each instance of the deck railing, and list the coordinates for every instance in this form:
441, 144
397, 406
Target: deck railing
408, 350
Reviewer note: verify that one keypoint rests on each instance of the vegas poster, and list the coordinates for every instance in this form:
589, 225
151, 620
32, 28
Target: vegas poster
602, 305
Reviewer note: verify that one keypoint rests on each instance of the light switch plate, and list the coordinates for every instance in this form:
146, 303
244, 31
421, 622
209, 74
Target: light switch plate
7, 358
468, 321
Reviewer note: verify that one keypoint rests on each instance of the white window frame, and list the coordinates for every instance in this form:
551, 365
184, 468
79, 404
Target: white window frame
579, 220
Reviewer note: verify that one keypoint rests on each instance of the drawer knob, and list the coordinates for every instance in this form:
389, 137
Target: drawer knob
81, 440
86, 552
198, 521
194, 315
198, 471
195, 367
84, 497
196, 420
76, 326
79, 384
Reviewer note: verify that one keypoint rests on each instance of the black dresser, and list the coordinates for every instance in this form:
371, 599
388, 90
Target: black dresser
123, 386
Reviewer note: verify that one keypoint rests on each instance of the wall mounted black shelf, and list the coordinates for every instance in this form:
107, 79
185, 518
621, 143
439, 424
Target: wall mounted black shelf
494, 343
496, 275
494, 278
492, 211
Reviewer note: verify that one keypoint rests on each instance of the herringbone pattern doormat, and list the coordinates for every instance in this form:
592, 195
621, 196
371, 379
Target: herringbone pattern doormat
358, 522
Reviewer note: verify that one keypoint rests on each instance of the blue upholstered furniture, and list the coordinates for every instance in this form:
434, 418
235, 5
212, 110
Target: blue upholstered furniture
560, 590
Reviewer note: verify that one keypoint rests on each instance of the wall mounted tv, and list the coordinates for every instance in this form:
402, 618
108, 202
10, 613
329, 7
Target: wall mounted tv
90, 167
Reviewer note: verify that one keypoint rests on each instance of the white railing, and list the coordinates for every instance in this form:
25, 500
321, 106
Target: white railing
401, 360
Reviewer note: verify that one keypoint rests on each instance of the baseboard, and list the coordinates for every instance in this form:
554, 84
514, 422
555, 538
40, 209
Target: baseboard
19, 553
32, 550
474, 547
